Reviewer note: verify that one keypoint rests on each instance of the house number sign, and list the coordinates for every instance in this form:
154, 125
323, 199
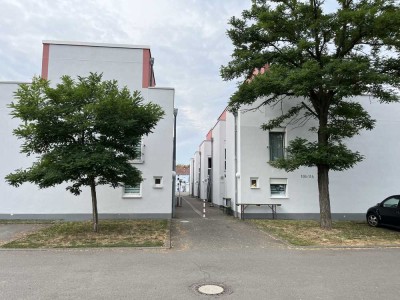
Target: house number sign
306, 176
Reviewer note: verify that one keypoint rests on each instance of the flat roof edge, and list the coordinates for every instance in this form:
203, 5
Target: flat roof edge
14, 82
161, 88
90, 44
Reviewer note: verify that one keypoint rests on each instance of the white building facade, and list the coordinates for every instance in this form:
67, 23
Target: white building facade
218, 152
191, 177
205, 167
196, 174
131, 66
251, 179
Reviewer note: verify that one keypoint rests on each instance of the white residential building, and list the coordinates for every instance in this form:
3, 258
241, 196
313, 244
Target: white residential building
205, 167
183, 178
196, 174
218, 151
250, 178
191, 176
131, 66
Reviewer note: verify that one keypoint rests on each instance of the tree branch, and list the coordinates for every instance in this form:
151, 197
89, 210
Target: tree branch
309, 109
265, 102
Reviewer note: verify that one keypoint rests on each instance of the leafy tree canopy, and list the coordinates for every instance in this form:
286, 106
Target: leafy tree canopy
83, 131
322, 58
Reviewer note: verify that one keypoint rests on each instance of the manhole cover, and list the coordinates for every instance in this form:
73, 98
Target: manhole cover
210, 289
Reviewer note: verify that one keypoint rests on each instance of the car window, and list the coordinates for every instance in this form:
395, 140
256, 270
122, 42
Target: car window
391, 202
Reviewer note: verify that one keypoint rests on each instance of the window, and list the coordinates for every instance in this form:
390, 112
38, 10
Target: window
278, 187
276, 145
254, 183
158, 182
139, 152
209, 162
225, 160
133, 191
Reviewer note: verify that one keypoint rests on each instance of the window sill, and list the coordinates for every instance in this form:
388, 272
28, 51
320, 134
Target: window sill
137, 161
277, 197
128, 196
255, 188
158, 187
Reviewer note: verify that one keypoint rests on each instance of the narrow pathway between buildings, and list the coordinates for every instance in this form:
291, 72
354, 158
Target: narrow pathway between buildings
216, 232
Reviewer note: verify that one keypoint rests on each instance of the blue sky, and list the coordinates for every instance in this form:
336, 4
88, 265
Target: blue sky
187, 38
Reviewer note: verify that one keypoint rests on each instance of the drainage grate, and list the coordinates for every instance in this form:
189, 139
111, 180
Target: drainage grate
211, 289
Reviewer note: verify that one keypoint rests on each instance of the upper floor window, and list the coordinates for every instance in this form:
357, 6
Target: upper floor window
225, 160
276, 145
139, 152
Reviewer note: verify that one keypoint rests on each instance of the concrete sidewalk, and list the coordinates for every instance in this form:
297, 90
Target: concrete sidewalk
216, 232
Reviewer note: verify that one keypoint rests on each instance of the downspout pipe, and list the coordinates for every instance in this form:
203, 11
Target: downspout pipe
199, 185
174, 166
193, 172
235, 114
211, 177
192, 176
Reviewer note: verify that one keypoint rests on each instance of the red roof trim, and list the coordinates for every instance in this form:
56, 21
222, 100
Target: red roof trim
209, 135
222, 117
45, 61
257, 71
148, 79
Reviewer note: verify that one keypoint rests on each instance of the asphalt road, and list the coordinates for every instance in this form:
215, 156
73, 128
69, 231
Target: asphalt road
218, 249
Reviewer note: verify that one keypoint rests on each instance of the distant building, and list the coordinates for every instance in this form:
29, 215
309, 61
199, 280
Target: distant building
131, 66
183, 178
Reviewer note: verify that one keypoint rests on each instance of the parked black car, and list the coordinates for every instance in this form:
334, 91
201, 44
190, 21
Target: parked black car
385, 213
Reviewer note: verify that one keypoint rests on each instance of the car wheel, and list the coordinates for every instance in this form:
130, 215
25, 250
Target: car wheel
373, 220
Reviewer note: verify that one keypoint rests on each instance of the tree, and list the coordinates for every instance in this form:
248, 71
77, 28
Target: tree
84, 131
325, 59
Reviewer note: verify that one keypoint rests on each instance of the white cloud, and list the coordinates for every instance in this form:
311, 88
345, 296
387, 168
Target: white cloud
187, 38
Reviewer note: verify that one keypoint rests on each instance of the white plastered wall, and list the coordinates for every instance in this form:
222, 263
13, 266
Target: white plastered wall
230, 158
125, 66
205, 150
218, 163
196, 172
191, 176
352, 191
122, 64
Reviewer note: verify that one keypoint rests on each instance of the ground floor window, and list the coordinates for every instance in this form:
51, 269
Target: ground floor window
254, 182
278, 187
134, 191
158, 182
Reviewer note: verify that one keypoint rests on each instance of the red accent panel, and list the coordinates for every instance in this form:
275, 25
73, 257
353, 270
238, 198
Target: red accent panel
257, 71
146, 68
45, 61
222, 117
209, 136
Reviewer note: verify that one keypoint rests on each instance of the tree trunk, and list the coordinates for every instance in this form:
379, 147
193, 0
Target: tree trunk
94, 206
323, 172
324, 201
